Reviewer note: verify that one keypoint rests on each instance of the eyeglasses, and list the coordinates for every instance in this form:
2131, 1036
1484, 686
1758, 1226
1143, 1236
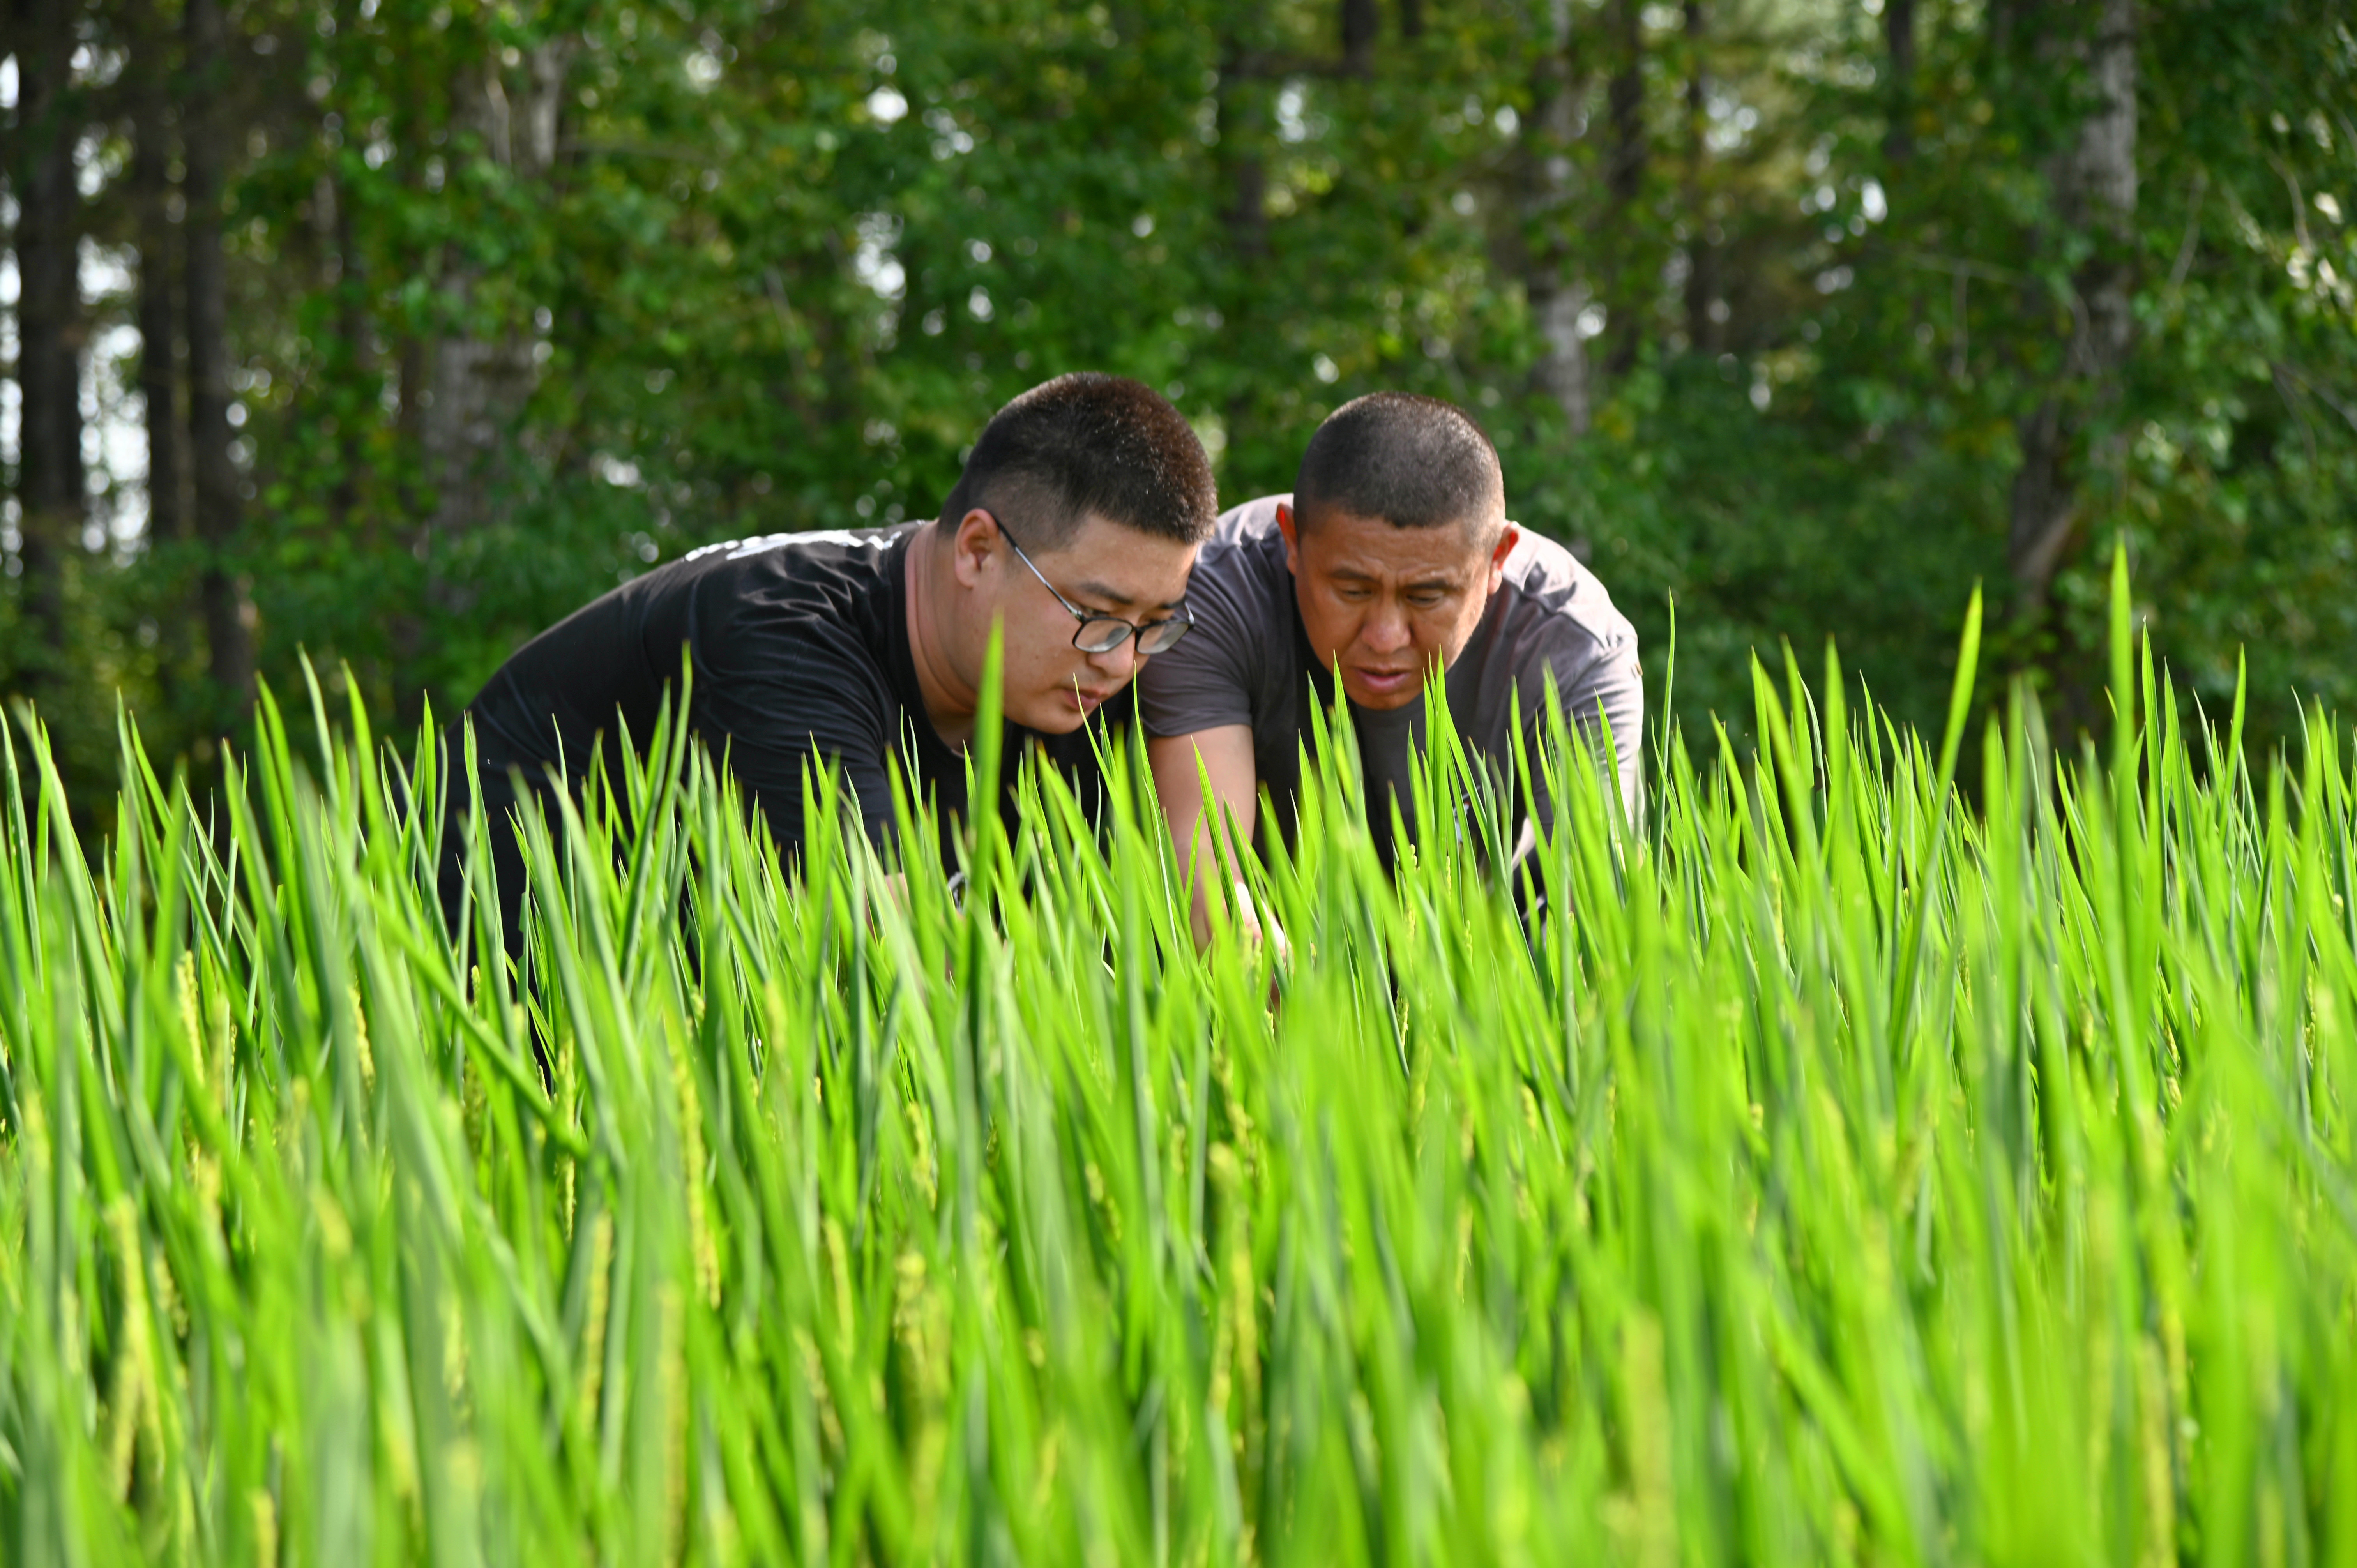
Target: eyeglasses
1103, 633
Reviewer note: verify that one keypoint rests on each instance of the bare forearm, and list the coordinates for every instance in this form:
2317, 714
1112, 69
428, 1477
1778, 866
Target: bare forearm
1206, 785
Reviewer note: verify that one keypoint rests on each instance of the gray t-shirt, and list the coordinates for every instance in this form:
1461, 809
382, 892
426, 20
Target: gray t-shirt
1248, 662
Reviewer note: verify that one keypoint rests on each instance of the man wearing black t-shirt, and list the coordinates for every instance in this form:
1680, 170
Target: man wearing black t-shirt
1084, 501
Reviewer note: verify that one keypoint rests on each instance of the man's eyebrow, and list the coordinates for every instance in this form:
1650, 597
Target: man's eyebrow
1440, 581
1111, 595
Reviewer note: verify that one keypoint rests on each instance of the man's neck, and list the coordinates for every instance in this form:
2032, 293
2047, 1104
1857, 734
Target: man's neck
949, 700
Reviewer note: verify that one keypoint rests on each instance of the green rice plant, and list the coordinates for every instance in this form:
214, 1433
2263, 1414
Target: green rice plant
1818, 1170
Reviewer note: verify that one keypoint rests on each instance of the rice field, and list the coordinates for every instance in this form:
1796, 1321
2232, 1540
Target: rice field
1823, 1170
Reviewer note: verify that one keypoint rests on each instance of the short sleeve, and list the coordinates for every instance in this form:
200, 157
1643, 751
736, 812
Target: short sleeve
1209, 680
1602, 690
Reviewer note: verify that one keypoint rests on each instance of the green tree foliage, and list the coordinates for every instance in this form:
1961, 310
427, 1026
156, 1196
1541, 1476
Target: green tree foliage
1775, 306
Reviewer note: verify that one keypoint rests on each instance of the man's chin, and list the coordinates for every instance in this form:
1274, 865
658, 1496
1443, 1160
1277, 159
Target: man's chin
1058, 713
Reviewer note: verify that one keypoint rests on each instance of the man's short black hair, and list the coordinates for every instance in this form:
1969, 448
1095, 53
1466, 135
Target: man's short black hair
1088, 442
1412, 461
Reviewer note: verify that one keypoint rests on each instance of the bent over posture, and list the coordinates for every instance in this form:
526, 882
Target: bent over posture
1073, 529
1392, 559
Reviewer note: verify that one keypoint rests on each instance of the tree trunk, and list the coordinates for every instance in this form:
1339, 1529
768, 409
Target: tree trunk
479, 377
2093, 182
1534, 248
1625, 179
50, 330
159, 315
1359, 21
1410, 19
409, 498
405, 633
1239, 155
169, 528
228, 613
1702, 251
1242, 170
1898, 42
340, 270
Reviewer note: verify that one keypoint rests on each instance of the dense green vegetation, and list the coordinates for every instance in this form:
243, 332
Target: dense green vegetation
1813, 312
1833, 1173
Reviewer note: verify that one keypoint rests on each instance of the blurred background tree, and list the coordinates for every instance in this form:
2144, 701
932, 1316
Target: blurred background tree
392, 331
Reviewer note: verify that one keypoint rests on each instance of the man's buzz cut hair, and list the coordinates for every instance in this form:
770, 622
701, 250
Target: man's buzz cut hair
1088, 444
1411, 460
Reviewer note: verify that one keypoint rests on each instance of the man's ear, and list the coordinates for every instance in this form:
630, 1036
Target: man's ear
1508, 537
972, 546
1291, 529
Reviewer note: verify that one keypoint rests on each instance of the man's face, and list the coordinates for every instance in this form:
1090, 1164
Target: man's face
1103, 569
1390, 604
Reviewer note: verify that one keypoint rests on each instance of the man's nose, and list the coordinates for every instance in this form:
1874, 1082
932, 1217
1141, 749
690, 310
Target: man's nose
1385, 629
1116, 663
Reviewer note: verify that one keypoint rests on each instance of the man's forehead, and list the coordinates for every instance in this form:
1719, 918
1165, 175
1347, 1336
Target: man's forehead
1098, 541
1113, 563
1345, 542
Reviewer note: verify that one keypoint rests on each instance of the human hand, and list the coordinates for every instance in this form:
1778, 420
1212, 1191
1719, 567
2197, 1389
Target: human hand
1256, 930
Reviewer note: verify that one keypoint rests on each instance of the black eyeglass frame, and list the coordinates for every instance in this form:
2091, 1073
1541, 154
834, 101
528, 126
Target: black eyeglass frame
1181, 623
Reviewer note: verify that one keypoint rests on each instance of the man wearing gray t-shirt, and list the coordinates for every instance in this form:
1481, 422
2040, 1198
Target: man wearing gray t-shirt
1391, 557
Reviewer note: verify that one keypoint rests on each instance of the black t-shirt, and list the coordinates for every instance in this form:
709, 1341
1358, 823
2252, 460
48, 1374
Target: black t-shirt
800, 648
